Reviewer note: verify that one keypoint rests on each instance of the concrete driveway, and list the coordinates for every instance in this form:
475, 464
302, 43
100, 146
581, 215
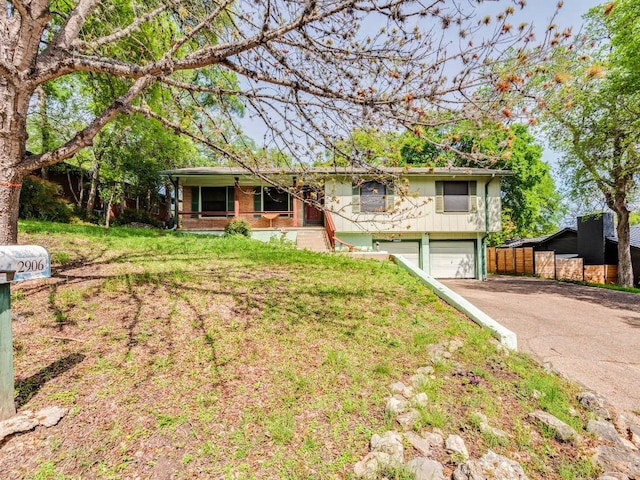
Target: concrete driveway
590, 335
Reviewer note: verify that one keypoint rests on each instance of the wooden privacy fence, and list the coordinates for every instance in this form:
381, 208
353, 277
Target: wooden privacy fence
524, 261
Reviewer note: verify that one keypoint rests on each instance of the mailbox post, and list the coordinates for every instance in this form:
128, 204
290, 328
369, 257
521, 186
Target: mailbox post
17, 263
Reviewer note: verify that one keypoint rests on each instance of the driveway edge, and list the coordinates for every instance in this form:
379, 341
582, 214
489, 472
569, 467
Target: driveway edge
506, 336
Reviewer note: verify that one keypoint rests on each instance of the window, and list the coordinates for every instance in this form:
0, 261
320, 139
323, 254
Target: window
372, 197
456, 196
212, 201
271, 199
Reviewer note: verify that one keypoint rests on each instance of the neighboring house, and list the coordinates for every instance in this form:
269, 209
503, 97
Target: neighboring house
594, 240
438, 218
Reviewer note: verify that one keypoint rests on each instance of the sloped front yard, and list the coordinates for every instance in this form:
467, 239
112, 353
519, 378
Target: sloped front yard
196, 357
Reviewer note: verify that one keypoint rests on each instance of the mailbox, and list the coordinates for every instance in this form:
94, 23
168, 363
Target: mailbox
23, 262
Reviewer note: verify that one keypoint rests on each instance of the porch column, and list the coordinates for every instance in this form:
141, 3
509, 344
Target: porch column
294, 202
236, 198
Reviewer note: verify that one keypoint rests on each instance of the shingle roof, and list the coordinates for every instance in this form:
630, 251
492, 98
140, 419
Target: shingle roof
634, 236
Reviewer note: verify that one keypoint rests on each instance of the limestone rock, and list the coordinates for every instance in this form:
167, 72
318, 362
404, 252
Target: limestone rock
425, 469
435, 439
18, 423
455, 345
438, 353
428, 370
422, 445
563, 432
408, 419
455, 444
616, 459
613, 476
594, 403
391, 444
604, 431
488, 429
27, 420
50, 416
370, 465
397, 404
397, 388
420, 400
418, 380
491, 465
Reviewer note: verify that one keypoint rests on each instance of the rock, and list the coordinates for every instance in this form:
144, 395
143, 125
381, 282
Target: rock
604, 431
27, 420
613, 476
455, 445
563, 432
22, 422
435, 439
50, 416
594, 403
391, 444
408, 419
455, 345
397, 388
485, 428
422, 445
425, 469
397, 404
619, 460
370, 465
491, 465
418, 380
428, 370
420, 400
437, 353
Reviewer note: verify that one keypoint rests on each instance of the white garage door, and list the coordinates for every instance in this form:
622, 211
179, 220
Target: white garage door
449, 259
409, 250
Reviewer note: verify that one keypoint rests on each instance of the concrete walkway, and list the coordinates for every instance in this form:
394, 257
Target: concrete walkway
590, 335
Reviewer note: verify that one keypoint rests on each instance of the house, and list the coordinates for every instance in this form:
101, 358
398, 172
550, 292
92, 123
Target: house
438, 218
595, 240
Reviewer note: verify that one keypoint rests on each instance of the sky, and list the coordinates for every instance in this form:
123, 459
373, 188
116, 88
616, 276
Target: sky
536, 12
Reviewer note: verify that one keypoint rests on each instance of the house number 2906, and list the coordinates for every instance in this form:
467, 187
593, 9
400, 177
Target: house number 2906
31, 265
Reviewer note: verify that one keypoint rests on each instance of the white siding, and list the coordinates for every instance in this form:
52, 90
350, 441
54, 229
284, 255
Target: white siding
408, 249
416, 212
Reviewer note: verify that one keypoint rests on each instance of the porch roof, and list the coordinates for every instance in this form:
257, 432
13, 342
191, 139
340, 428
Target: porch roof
338, 171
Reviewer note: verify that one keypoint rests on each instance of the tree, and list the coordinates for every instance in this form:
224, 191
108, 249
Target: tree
310, 70
531, 204
591, 109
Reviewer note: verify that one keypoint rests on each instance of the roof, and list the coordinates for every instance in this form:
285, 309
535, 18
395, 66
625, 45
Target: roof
439, 171
634, 236
527, 242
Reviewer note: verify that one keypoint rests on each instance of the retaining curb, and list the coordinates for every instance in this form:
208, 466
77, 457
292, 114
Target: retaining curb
506, 336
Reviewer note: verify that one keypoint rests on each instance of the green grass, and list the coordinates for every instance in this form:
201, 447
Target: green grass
608, 286
229, 358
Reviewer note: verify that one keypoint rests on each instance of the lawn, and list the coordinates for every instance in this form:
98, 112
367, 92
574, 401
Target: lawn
204, 357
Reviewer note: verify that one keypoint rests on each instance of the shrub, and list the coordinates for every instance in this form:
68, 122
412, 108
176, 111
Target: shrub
130, 215
42, 200
237, 227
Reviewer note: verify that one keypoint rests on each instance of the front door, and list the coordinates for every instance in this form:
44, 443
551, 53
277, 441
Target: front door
312, 214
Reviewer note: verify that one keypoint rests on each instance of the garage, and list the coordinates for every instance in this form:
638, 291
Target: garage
408, 249
452, 259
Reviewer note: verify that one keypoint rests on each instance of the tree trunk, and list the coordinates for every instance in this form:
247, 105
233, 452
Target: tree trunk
93, 190
10, 185
107, 213
625, 267
14, 104
168, 189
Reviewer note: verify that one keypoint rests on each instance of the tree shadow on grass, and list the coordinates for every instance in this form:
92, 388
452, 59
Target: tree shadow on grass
28, 387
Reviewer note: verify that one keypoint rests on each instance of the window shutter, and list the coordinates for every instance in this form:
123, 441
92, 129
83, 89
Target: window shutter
257, 200
473, 197
439, 197
390, 200
355, 199
230, 200
195, 201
